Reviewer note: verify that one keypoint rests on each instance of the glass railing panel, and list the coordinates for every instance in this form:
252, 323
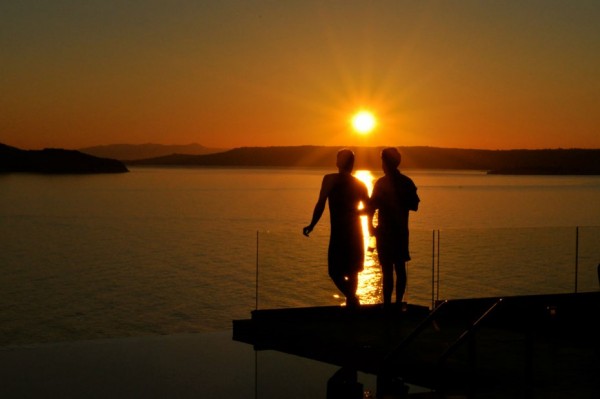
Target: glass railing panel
501, 262
588, 260
446, 264
292, 270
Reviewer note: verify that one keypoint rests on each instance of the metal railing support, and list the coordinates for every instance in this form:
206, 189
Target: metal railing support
468, 333
256, 292
433, 270
428, 320
576, 256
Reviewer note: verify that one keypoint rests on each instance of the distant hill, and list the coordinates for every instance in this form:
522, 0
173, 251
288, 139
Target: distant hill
545, 161
132, 152
55, 161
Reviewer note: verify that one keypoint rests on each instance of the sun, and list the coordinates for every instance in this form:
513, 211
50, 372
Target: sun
364, 122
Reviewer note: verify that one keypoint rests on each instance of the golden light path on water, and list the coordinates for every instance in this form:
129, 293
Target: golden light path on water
369, 281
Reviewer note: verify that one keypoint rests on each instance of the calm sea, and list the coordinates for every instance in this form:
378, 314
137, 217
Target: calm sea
174, 250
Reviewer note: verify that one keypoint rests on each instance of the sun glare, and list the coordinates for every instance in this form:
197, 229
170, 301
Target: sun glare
369, 280
364, 122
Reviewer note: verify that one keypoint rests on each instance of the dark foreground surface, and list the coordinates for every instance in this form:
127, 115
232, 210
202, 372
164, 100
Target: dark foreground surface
209, 365
332, 353
543, 346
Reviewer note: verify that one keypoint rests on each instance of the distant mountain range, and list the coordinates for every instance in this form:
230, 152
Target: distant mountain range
132, 152
114, 158
545, 161
54, 161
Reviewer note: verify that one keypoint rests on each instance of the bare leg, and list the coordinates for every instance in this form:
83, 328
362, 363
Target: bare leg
400, 280
387, 270
351, 287
347, 286
340, 282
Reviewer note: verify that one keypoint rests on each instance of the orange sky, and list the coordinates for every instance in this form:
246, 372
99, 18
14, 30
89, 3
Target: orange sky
465, 74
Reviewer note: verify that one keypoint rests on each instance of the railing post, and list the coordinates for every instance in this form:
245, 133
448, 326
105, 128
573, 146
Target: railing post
437, 295
256, 293
433, 270
576, 256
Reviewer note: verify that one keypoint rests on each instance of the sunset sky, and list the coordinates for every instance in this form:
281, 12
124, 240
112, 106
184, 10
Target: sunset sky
461, 74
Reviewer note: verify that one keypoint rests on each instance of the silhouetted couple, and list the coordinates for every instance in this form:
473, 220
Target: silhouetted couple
346, 246
393, 196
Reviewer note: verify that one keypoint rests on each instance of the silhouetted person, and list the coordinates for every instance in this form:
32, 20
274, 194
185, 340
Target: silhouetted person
344, 193
394, 195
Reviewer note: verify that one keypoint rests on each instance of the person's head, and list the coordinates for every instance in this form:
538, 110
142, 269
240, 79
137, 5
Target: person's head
345, 160
390, 158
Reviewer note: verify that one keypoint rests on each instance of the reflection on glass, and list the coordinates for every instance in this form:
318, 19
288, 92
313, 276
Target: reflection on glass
369, 281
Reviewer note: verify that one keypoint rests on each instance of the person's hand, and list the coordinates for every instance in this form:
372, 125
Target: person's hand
306, 231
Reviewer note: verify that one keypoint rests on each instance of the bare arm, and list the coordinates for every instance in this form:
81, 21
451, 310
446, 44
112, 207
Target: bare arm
319, 206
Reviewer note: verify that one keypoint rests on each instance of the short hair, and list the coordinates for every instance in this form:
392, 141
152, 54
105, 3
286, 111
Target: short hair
391, 157
345, 159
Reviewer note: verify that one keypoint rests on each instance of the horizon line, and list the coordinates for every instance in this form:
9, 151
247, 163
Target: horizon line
308, 145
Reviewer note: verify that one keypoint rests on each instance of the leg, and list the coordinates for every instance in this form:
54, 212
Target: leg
400, 267
344, 264
385, 251
387, 272
340, 281
351, 287
347, 284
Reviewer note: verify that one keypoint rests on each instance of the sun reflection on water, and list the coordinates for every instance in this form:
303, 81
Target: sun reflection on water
369, 281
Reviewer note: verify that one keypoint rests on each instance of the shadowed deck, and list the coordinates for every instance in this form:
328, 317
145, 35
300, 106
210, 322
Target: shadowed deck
538, 342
